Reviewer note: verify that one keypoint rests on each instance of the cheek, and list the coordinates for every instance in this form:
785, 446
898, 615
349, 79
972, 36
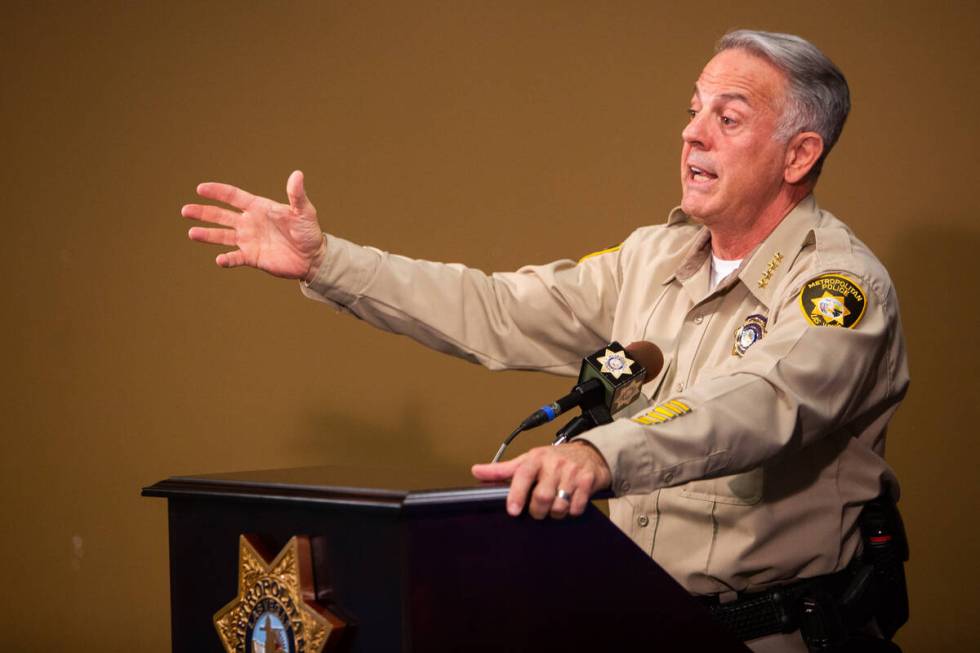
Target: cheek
757, 166
773, 156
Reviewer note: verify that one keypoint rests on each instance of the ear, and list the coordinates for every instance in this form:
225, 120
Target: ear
802, 153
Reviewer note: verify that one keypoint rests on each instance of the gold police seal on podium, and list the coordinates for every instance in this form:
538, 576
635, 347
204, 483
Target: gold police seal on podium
275, 610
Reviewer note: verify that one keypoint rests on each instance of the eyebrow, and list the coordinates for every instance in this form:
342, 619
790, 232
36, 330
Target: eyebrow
728, 97
735, 96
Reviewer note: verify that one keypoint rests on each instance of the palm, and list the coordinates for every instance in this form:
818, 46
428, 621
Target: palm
275, 238
281, 239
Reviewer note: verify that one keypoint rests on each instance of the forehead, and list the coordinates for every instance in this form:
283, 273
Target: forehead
745, 75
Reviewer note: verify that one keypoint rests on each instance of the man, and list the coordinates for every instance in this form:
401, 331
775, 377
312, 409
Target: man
764, 434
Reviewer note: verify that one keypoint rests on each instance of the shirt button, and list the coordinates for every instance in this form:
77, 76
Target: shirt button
643, 520
668, 477
679, 387
698, 319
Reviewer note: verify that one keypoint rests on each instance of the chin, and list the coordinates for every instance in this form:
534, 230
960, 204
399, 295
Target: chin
700, 205
693, 209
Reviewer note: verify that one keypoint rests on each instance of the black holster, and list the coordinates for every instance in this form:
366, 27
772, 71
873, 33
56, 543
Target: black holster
876, 593
845, 612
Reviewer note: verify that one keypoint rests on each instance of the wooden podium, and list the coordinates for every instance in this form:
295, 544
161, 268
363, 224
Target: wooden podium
427, 561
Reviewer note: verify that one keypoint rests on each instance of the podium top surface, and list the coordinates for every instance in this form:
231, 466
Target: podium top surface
391, 488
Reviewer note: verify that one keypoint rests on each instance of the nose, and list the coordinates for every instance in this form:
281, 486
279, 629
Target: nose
695, 133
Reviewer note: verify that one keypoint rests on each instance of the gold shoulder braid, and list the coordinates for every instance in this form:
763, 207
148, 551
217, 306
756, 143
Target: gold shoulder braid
608, 250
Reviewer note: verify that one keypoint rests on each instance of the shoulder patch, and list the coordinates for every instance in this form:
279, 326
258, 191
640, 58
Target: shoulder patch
608, 250
833, 300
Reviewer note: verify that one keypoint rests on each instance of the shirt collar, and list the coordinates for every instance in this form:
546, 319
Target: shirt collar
694, 254
765, 266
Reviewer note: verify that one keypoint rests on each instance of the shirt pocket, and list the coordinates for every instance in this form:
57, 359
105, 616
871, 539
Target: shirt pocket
743, 489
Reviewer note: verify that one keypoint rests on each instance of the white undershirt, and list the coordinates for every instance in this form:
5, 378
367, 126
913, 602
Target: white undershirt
720, 268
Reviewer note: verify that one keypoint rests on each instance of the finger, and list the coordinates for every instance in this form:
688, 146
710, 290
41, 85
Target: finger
213, 235
496, 471
521, 484
208, 213
582, 484
543, 497
226, 193
232, 259
296, 192
561, 505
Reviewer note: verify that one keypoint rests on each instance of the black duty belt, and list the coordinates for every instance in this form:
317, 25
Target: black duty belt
778, 610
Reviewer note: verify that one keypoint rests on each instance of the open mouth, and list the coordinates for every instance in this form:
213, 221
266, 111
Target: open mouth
694, 173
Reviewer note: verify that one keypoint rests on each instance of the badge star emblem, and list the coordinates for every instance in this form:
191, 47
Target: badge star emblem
830, 307
275, 608
615, 363
749, 333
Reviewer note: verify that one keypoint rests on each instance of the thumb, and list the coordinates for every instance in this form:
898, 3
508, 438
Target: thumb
296, 193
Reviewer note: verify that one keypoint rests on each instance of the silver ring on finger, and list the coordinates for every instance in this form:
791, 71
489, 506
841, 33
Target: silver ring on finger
564, 496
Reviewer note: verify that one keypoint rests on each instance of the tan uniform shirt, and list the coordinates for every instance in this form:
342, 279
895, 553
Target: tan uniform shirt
764, 433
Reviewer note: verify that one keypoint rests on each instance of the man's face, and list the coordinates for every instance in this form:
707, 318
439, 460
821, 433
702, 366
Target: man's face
732, 163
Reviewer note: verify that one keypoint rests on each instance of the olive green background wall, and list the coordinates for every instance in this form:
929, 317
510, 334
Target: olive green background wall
494, 133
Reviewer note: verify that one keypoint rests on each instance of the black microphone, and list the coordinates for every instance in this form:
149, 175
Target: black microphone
584, 393
608, 381
620, 389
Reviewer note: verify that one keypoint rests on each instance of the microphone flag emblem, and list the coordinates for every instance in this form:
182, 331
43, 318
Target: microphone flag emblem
615, 363
626, 396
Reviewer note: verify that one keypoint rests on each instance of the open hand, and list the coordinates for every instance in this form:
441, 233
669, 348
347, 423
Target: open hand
285, 240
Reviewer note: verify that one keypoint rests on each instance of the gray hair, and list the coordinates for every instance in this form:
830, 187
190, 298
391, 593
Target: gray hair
819, 99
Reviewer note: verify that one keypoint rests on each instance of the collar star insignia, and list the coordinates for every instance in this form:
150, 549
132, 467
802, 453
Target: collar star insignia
774, 262
275, 609
830, 307
615, 363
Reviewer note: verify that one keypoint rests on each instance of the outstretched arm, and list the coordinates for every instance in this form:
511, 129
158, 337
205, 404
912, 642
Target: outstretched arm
284, 240
542, 317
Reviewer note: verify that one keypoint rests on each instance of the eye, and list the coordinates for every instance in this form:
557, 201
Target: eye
691, 113
726, 121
